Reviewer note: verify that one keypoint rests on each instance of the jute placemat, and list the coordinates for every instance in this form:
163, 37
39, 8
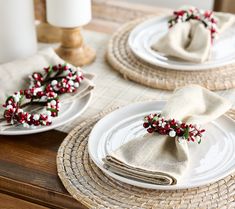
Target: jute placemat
121, 58
89, 185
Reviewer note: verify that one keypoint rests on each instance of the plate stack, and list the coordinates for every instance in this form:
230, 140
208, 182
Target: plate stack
130, 53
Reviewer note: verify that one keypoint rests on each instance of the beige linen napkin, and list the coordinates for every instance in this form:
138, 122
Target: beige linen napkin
158, 159
14, 75
191, 41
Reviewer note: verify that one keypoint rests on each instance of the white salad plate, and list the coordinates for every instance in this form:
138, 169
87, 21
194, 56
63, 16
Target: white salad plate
68, 112
210, 161
145, 34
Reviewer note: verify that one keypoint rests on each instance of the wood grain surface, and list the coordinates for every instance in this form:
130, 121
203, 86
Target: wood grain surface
7, 202
28, 169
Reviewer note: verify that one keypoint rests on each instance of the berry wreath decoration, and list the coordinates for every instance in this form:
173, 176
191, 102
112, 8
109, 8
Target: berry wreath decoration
44, 90
173, 128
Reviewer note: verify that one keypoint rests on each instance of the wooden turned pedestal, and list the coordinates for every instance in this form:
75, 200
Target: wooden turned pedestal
73, 49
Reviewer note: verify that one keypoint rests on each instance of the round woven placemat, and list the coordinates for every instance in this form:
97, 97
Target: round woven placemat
89, 185
121, 58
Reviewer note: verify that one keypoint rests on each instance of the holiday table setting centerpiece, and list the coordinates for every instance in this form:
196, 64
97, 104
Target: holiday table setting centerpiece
129, 146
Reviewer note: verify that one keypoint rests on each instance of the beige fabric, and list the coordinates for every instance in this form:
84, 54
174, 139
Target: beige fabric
14, 75
159, 159
191, 40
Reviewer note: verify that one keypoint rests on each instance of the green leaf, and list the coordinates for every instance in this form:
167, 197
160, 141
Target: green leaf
155, 118
50, 69
186, 133
8, 98
21, 99
52, 110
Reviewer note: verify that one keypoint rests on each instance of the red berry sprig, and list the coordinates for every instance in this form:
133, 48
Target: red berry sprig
44, 90
15, 114
173, 128
59, 78
206, 17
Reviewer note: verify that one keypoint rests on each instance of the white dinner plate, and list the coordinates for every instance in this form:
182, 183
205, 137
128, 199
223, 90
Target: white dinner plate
145, 34
68, 112
210, 161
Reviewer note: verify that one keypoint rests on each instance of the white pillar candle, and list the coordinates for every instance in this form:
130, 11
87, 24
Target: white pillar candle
68, 13
17, 29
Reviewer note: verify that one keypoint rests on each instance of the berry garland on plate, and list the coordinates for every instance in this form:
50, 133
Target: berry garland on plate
182, 131
44, 90
59, 78
206, 17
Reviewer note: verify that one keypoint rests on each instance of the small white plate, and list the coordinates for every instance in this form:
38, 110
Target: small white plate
68, 112
145, 34
210, 161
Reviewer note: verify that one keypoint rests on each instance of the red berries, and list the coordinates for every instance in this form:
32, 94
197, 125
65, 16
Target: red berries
40, 93
183, 125
54, 68
62, 90
150, 130
167, 127
146, 125
172, 122
54, 114
178, 131
173, 128
162, 131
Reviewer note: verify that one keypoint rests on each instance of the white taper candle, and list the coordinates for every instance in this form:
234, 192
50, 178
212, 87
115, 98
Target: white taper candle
68, 13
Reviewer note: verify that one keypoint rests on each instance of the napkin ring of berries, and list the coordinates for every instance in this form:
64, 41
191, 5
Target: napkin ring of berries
205, 17
173, 128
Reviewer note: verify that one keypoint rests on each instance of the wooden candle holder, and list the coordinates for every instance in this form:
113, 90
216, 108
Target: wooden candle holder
73, 49
46, 33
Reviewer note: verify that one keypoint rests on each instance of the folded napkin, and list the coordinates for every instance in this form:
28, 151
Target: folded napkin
14, 76
191, 40
159, 159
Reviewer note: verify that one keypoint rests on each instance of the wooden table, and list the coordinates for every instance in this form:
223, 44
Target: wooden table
28, 176
28, 172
